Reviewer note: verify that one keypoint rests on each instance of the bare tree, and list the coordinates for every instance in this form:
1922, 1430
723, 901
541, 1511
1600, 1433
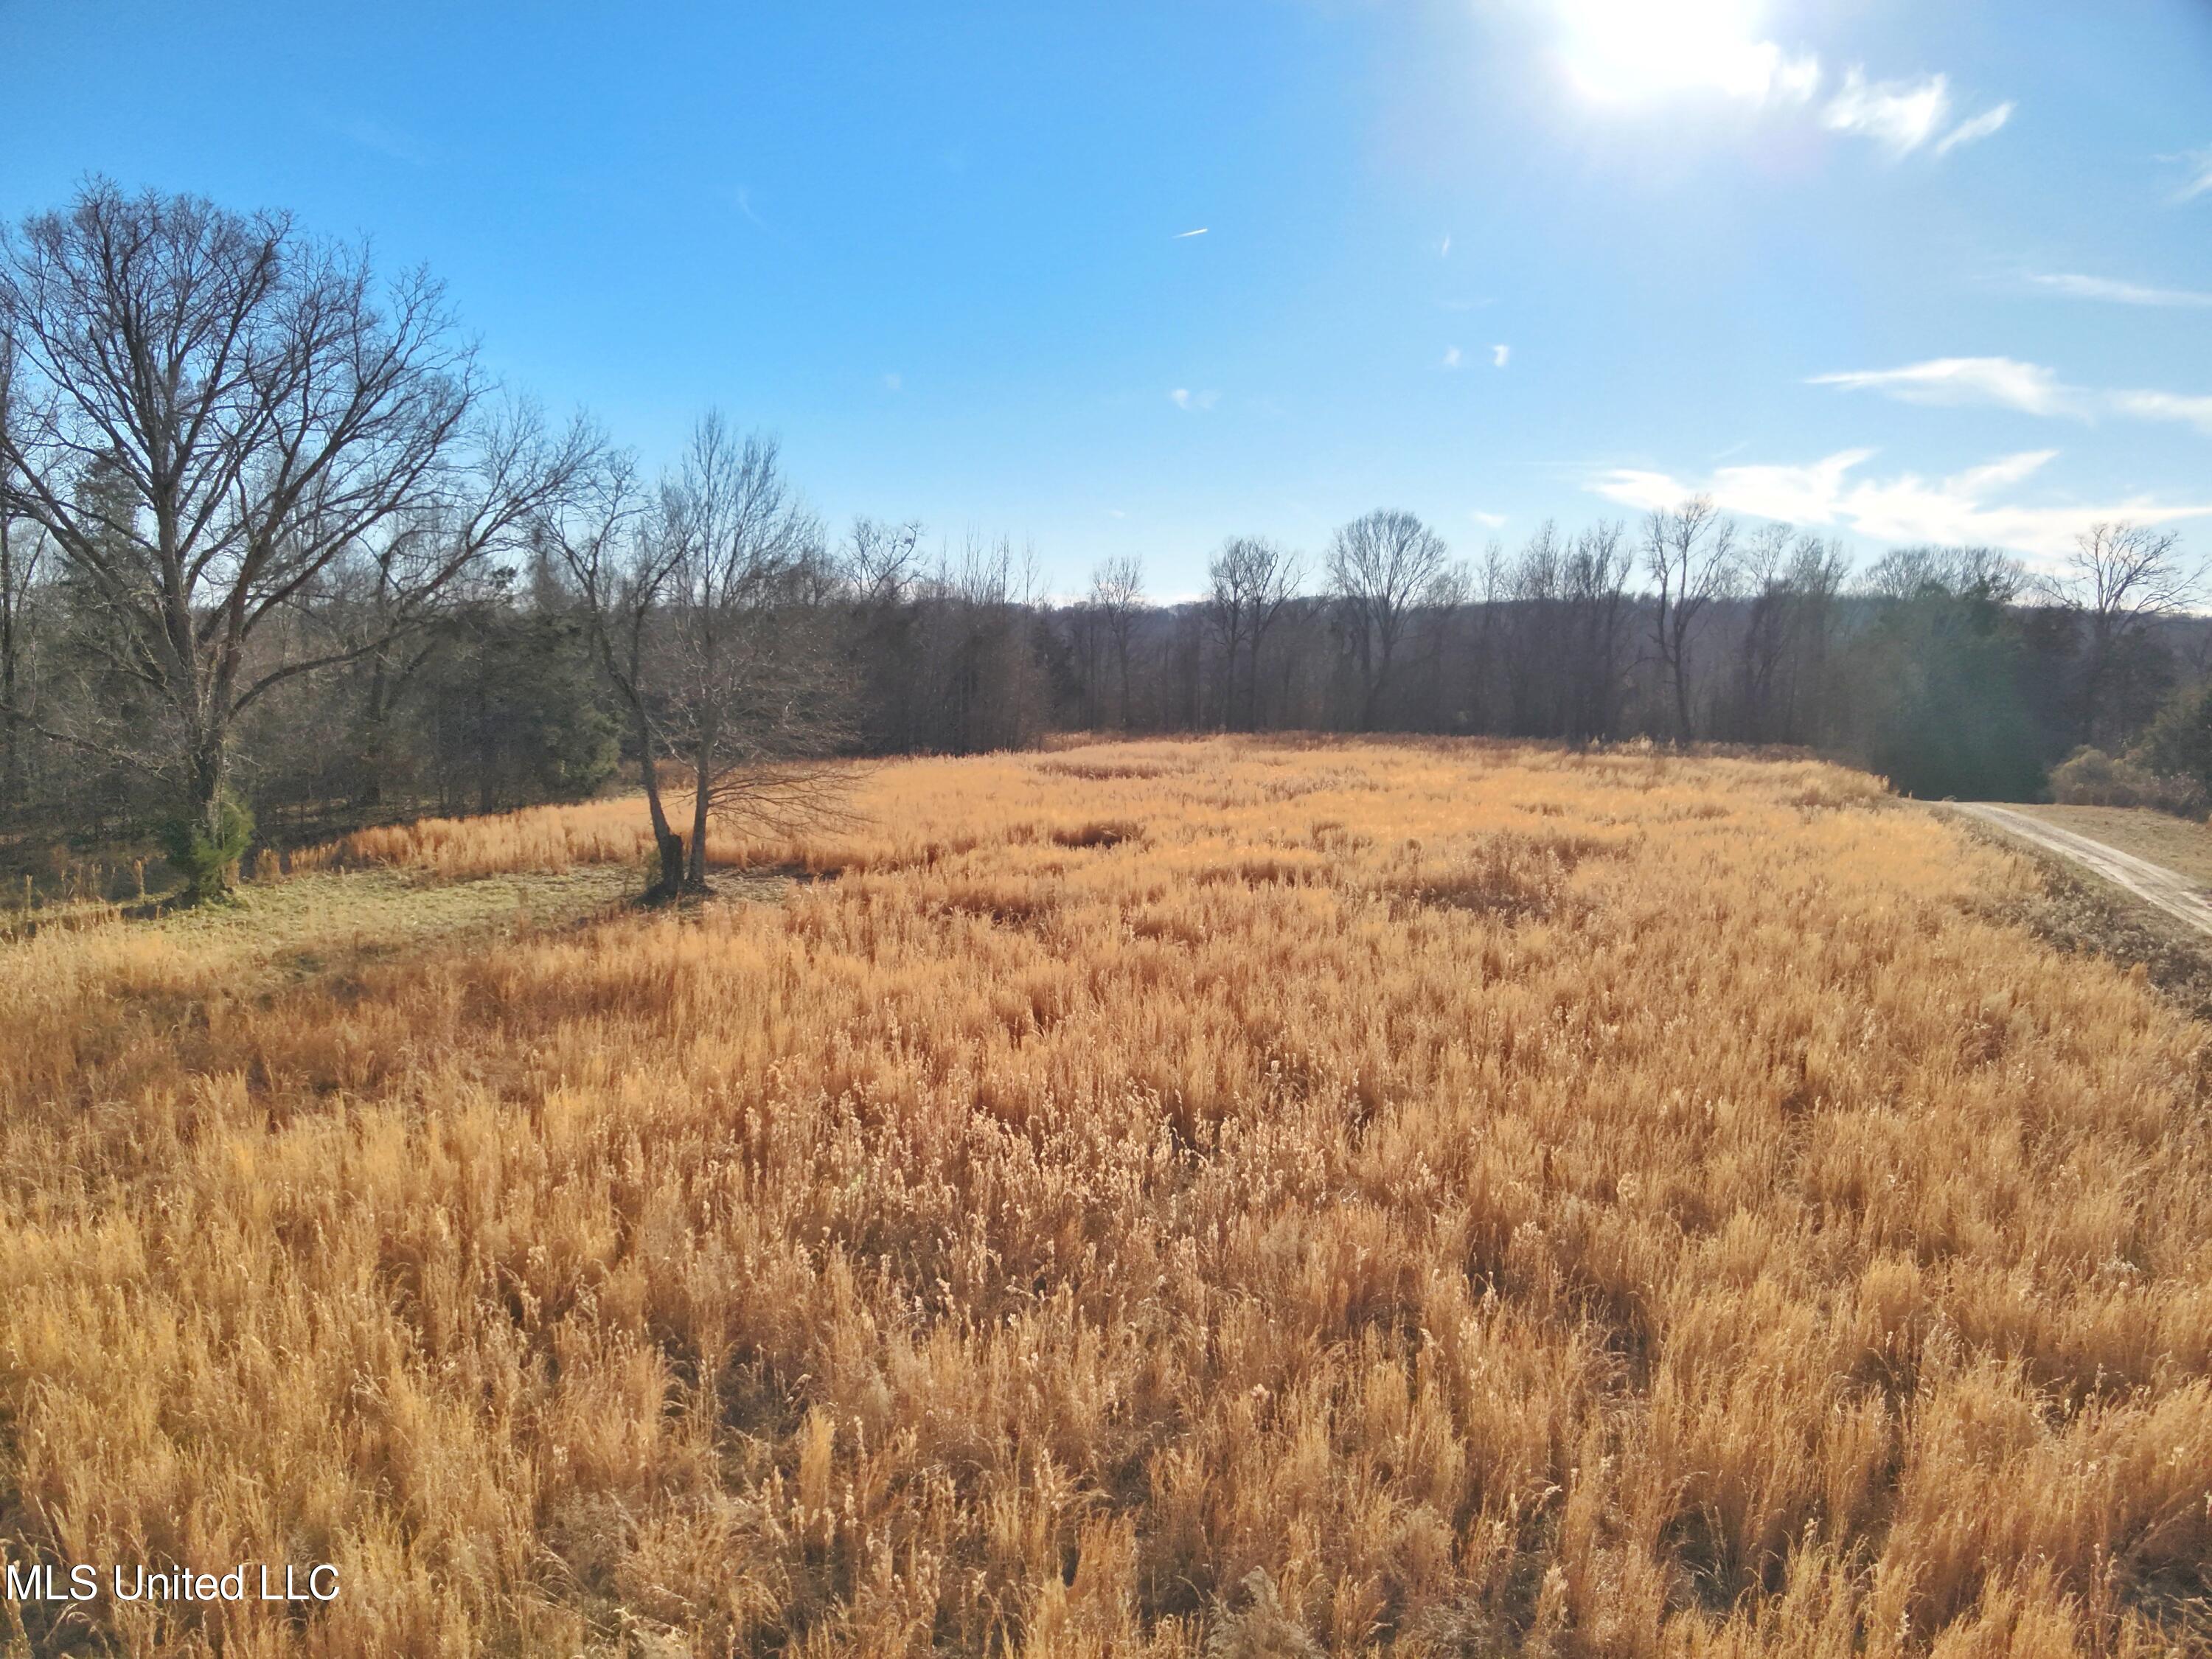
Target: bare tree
1224, 611
1593, 584
1793, 581
1533, 657
20, 555
752, 696
885, 628
2119, 580
1379, 568
390, 587
1253, 580
1982, 574
1279, 576
1085, 631
1691, 552
265, 408
1761, 647
880, 560
1117, 589
710, 610
620, 573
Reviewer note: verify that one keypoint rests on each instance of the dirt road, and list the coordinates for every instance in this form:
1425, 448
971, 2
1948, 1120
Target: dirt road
2153, 883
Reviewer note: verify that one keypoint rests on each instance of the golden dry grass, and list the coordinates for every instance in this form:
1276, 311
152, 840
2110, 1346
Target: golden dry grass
1162, 1199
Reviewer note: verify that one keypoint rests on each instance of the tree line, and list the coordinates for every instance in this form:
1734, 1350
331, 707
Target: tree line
271, 543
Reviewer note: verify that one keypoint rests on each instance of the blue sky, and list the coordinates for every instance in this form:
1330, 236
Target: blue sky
1895, 271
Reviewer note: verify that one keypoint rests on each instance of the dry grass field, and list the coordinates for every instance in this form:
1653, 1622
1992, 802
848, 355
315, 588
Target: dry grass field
1216, 1198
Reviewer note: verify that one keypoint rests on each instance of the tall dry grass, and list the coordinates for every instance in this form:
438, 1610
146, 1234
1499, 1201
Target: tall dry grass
1159, 1198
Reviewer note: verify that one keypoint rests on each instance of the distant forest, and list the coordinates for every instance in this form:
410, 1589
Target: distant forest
275, 560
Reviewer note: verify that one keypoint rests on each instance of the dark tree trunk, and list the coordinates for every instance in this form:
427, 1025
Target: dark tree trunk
666, 842
11, 737
1682, 692
208, 757
701, 802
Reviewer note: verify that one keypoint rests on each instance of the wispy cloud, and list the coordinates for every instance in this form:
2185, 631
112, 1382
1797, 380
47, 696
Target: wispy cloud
894, 381
1444, 248
1626, 53
1488, 520
1795, 494
1498, 354
1899, 115
387, 142
1792, 79
2126, 294
1966, 507
1185, 235
1184, 397
2000, 380
1973, 131
2006, 383
1451, 358
2165, 406
2199, 164
743, 197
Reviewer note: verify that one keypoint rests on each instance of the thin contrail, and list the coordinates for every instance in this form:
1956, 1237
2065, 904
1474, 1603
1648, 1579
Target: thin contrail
1181, 235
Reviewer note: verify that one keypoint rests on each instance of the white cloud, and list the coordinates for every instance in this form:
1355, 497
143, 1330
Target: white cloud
1901, 115
387, 141
2026, 386
2127, 294
1632, 52
1185, 235
1487, 521
2199, 163
2165, 406
1184, 397
1963, 508
1796, 494
744, 201
1796, 78
894, 382
1451, 357
1973, 131
1499, 354
1444, 249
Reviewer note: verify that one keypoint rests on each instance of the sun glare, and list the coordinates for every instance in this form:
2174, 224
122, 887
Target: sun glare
1628, 51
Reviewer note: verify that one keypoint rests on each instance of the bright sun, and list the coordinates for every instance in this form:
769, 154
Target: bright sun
1623, 51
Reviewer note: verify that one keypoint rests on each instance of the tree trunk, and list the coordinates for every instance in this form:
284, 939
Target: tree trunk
1682, 692
701, 801
1378, 675
11, 741
208, 758
666, 842
208, 874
